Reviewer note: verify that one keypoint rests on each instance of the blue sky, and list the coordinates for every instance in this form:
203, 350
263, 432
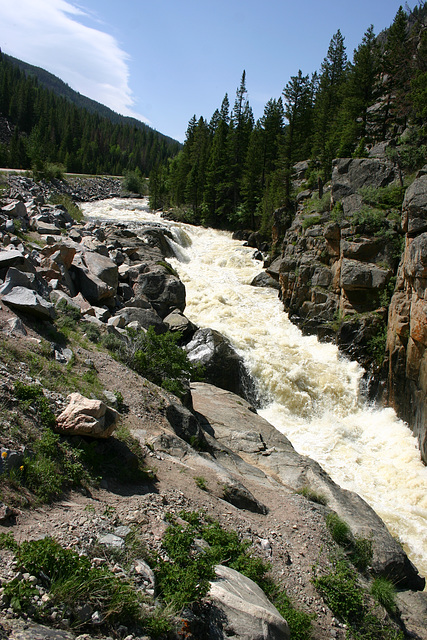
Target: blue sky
164, 60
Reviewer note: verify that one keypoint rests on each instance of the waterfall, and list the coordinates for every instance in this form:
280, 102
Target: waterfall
308, 391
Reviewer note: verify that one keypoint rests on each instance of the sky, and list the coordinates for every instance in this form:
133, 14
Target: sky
163, 61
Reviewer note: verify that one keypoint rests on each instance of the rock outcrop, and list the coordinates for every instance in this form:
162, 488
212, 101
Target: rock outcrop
406, 355
86, 417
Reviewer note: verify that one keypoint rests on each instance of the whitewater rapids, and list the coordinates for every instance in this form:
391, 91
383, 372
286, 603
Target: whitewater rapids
307, 389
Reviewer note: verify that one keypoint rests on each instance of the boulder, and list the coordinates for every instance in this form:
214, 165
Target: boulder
227, 417
86, 417
17, 278
163, 289
222, 366
178, 322
94, 288
145, 317
414, 208
264, 279
248, 613
15, 209
361, 275
28, 301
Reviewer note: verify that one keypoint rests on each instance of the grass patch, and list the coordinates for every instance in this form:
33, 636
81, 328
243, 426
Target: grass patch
183, 579
66, 201
385, 593
312, 495
350, 603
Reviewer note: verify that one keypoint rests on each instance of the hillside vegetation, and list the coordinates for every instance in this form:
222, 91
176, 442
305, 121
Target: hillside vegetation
45, 121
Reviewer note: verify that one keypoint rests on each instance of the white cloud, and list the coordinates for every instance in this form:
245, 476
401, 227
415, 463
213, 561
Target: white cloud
48, 34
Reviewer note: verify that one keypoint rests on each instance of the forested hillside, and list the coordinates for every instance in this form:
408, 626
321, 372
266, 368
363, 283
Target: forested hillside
44, 120
235, 172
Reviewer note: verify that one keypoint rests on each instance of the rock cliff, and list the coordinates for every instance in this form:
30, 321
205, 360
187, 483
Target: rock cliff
343, 276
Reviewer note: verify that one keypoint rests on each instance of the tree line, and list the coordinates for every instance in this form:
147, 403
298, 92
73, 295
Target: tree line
42, 127
235, 172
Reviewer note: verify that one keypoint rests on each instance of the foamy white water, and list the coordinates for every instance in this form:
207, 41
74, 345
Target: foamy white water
309, 391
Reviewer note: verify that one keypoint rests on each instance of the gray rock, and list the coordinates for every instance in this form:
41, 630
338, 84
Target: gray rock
414, 208
30, 302
144, 317
264, 279
15, 209
360, 275
248, 613
17, 278
164, 290
222, 365
177, 322
226, 415
11, 258
111, 540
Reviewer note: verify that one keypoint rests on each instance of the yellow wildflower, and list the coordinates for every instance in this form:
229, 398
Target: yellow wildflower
4, 454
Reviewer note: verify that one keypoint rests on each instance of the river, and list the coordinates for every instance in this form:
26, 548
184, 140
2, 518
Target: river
308, 391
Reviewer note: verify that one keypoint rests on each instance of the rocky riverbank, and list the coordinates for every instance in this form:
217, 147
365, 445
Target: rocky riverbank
210, 453
352, 269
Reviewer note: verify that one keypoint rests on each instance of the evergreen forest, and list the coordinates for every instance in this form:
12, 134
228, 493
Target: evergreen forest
233, 172
42, 120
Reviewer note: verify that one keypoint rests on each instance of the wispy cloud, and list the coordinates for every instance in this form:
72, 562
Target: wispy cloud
51, 34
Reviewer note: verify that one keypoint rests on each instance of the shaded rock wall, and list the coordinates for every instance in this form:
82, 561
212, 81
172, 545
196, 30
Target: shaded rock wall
406, 356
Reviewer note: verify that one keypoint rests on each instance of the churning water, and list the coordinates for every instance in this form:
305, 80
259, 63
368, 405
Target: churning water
308, 391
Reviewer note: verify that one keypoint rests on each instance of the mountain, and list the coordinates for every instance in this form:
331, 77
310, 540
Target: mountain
63, 90
43, 120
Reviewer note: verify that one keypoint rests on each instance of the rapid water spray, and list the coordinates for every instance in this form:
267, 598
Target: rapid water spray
308, 391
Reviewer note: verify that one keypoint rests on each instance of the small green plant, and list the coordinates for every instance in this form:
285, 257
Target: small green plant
66, 201
377, 345
310, 221
68, 318
32, 395
385, 593
312, 495
338, 528
201, 483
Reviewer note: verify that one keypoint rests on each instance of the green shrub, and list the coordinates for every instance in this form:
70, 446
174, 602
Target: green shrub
73, 581
361, 553
312, 495
201, 483
32, 395
310, 221
383, 197
339, 530
134, 182
48, 171
385, 593
371, 219
66, 201
377, 345
156, 357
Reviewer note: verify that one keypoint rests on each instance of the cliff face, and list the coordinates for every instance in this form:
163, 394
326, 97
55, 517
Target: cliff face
406, 355
340, 277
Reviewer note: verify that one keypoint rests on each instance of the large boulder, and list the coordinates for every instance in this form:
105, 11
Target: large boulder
228, 419
86, 417
222, 366
162, 288
414, 208
248, 613
95, 275
29, 302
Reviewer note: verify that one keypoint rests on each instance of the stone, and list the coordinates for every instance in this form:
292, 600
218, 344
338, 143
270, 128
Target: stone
111, 540
86, 417
29, 302
144, 318
11, 258
15, 209
224, 416
222, 365
177, 322
264, 279
164, 290
247, 610
360, 275
17, 278
414, 208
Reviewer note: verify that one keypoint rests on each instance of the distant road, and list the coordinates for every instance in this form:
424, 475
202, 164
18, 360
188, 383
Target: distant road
67, 175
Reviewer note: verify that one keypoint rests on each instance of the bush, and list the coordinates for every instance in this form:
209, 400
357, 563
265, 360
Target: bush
156, 357
339, 530
48, 171
385, 593
383, 197
134, 182
72, 582
32, 395
66, 201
